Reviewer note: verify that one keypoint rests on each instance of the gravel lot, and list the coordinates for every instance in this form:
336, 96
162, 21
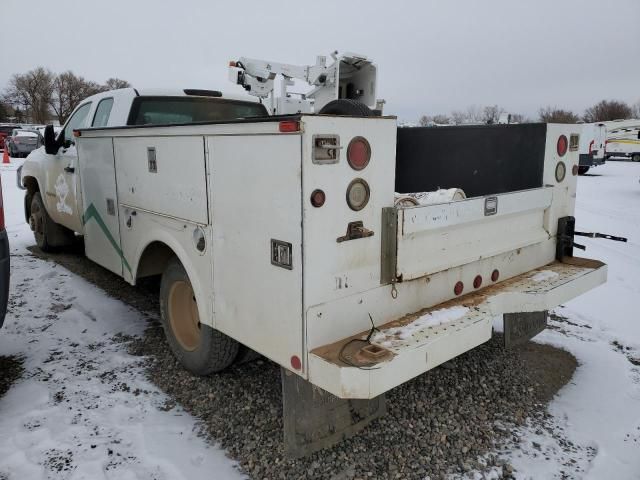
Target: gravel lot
446, 421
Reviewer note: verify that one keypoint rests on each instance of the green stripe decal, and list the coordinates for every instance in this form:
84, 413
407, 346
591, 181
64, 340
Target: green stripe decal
92, 212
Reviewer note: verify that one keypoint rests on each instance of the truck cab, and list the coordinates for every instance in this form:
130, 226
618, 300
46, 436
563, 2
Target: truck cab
50, 176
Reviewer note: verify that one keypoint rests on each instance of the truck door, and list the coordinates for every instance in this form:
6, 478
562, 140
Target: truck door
101, 221
61, 176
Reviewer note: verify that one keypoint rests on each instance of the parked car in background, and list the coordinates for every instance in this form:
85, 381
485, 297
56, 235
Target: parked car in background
5, 131
4, 263
22, 142
624, 142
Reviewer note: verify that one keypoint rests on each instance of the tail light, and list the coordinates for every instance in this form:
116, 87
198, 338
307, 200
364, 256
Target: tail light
590, 146
289, 126
358, 194
318, 198
1, 209
358, 153
562, 145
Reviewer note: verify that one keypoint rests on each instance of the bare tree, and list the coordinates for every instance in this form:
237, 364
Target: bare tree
31, 91
635, 109
441, 119
424, 121
458, 117
519, 118
557, 115
474, 114
607, 110
115, 83
68, 91
491, 114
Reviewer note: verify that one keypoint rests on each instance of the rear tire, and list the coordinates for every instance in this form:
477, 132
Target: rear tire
582, 170
199, 348
346, 107
48, 234
635, 157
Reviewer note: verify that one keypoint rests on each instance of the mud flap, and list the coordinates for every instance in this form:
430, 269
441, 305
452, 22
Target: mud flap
523, 326
315, 419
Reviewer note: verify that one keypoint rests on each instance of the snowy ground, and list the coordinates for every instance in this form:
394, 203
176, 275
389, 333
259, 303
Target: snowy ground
84, 409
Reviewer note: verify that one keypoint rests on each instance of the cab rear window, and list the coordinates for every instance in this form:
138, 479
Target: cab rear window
181, 110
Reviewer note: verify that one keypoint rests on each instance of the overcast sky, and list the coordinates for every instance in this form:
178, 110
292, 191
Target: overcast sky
433, 56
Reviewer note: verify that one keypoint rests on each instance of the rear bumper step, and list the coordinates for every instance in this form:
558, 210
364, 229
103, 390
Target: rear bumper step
423, 340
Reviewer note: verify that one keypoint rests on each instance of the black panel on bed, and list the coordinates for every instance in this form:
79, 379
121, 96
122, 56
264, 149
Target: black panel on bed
479, 159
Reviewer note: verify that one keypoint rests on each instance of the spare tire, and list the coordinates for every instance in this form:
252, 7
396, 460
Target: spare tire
346, 107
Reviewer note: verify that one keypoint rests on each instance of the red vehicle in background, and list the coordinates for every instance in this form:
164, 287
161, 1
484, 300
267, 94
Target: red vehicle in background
4, 263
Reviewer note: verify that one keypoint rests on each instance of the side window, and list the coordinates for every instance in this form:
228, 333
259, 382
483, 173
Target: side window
103, 111
77, 120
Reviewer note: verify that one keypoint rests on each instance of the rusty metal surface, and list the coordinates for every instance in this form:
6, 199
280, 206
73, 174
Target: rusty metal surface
315, 419
477, 302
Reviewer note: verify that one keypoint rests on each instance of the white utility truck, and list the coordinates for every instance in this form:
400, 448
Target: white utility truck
281, 234
593, 138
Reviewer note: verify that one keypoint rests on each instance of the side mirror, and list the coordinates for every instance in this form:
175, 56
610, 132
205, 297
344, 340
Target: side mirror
51, 146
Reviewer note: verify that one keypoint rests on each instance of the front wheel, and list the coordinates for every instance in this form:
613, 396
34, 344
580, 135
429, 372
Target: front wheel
199, 348
48, 234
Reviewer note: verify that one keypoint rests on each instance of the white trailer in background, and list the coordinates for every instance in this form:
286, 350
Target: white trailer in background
623, 139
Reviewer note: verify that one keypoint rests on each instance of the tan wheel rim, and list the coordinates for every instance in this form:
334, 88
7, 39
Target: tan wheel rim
183, 315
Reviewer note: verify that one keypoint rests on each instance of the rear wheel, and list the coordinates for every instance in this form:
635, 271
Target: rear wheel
48, 234
636, 157
199, 348
582, 169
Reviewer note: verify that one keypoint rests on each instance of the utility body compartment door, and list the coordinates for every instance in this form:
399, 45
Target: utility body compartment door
100, 218
257, 242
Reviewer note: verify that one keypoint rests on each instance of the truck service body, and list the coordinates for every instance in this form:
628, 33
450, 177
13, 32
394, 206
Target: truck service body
292, 244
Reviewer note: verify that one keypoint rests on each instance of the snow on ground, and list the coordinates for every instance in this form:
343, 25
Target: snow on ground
83, 408
599, 410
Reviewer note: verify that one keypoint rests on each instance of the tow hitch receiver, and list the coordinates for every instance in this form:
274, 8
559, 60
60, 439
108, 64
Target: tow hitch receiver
315, 419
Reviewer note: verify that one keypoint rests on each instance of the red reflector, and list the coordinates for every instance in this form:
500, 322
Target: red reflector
562, 145
76, 133
296, 363
232, 63
358, 153
495, 275
575, 170
477, 281
317, 198
289, 126
458, 288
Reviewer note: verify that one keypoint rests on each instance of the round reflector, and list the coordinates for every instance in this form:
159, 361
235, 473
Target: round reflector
561, 171
574, 170
562, 145
477, 281
358, 153
458, 288
358, 194
495, 275
296, 363
317, 198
